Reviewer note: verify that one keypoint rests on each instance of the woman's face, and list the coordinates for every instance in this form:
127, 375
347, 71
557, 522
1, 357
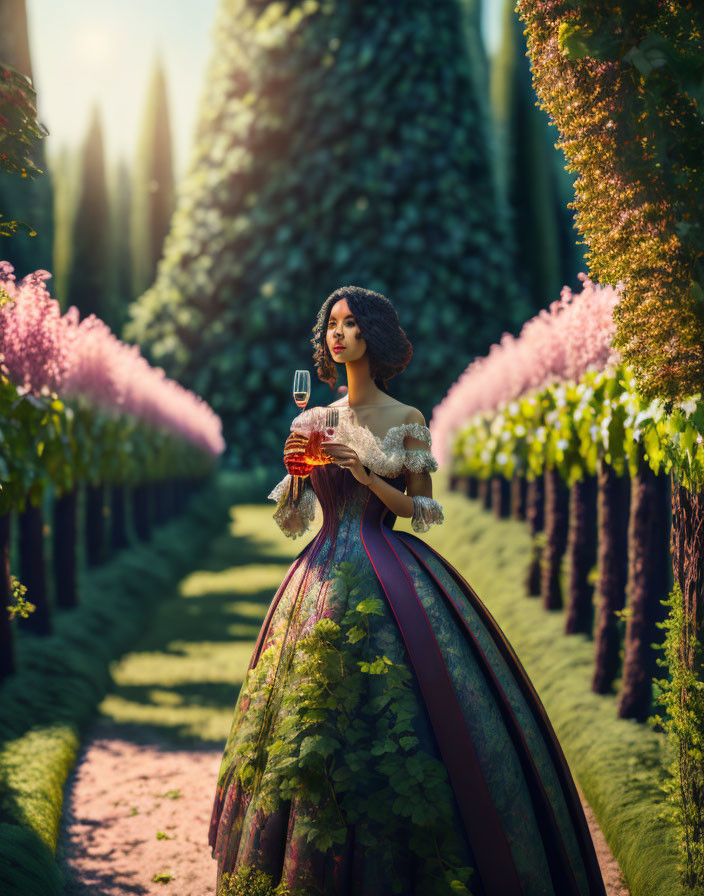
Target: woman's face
342, 331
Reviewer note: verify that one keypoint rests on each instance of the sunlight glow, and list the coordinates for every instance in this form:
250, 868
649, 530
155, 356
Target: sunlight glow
93, 45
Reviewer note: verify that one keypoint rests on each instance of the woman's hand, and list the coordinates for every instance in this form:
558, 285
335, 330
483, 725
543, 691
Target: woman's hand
293, 454
346, 457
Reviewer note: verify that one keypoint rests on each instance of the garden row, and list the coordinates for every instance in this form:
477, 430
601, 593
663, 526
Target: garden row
82, 413
550, 427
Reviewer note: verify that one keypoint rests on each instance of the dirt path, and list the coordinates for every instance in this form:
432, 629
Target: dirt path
128, 786
123, 792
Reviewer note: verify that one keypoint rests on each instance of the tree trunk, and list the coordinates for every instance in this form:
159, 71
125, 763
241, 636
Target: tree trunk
535, 504
519, 488
535, 515
33, 570
556, 507
649, 557
612, 515
472, 487
118, 515
95, 524
65, 543
140, 509
7, 649
160, 501
581, 548
484, 492
500, 496
454, 482
171, 488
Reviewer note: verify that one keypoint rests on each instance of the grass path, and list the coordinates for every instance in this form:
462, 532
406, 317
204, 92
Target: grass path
137, 804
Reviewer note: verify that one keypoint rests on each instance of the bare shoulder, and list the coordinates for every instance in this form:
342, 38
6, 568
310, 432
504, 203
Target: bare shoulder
413, 415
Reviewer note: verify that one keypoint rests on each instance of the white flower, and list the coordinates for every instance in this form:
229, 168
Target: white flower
689, 406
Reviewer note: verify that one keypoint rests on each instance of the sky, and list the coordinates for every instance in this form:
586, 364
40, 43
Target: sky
104, 51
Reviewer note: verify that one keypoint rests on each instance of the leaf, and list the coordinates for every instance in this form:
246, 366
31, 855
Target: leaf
371, 605
637, 58
572, 40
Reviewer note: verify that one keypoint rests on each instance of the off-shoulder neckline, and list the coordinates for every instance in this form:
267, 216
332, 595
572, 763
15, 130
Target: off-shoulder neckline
382, 441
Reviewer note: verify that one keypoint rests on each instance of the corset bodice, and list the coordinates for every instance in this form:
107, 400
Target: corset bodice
343, 499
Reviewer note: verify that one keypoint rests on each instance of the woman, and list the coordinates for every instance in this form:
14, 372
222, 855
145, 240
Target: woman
386, 738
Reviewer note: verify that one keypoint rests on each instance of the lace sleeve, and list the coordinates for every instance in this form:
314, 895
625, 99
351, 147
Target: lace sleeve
425, 512
418, 459
293, 520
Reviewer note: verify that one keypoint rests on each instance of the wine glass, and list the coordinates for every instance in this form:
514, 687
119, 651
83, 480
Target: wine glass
301, 395
301, 387
332, 418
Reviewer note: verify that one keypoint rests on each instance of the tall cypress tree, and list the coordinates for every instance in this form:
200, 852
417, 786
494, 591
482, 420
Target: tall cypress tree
526, 168
338, 144
28, 199
89, 279
65, 167
153, 185
121, 252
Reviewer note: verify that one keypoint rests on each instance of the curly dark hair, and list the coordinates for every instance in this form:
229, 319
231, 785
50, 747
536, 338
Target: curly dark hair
388, 347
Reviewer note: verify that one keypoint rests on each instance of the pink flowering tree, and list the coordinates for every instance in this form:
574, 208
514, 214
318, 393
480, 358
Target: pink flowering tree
559, 344
78, 405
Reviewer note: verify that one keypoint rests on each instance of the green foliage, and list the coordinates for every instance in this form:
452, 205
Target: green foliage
572, 425
20, 130
248, 881
26, 864
20, 605
624, 84
682, 696
333, 138
345, 739
47, 442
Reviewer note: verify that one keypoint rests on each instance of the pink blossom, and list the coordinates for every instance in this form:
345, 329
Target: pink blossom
558, 344
45, 351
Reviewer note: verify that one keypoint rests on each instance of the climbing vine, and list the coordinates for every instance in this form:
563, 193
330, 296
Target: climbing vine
345, 737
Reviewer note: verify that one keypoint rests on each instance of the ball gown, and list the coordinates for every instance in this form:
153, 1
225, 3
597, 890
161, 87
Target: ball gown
386, 738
